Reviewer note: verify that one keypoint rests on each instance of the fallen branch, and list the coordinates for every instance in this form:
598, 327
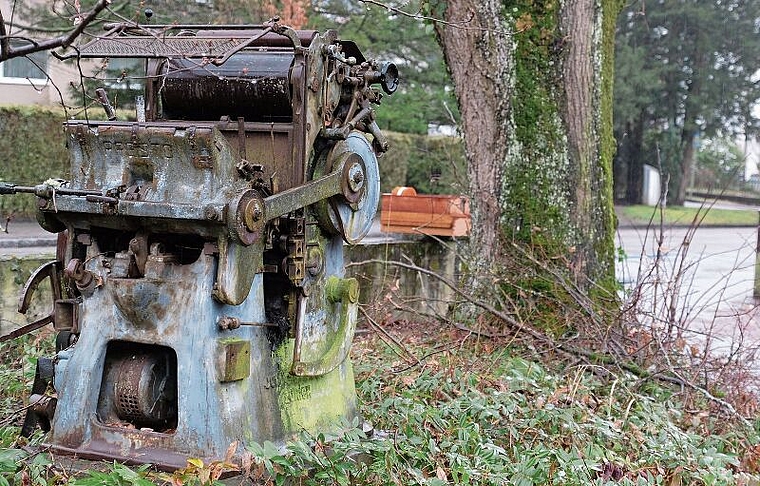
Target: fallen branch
410, 357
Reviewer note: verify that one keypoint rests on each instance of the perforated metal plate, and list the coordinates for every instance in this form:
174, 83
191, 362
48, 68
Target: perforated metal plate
149, 46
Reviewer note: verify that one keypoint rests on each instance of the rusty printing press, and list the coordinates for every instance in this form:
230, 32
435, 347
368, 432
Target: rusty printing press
199, 290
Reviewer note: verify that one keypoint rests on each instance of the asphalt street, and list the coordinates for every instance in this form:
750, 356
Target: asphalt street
707, 275
22, 238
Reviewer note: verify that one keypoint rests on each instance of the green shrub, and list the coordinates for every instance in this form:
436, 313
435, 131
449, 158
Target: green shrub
34, 149
432, 165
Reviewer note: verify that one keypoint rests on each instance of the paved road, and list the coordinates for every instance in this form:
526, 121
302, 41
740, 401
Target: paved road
26, 238
708, 274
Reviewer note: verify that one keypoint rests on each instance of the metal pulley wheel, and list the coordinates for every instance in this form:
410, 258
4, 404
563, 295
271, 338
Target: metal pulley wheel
351, 213
246, 217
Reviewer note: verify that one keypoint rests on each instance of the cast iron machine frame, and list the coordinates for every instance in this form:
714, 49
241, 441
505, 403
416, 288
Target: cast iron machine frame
199, 294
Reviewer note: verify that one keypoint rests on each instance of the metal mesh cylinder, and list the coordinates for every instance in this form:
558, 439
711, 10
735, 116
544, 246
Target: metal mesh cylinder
141, 390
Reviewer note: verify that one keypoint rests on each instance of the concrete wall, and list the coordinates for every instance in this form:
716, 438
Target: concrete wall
14, 273
396, 292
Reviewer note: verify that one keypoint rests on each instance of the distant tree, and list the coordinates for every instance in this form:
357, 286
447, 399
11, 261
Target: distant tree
634, 90
720, 162
686, 70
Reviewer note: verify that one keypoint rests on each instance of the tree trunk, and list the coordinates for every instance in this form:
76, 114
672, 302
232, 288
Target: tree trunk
534, 85
687, 164
690, 127
628, 163
585, 124
479, 56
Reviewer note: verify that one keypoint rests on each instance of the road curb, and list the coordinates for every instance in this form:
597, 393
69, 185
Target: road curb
28, 242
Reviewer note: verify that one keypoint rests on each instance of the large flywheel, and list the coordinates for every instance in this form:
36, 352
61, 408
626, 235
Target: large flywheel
351, 213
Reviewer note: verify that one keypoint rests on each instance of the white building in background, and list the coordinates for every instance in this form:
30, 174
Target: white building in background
436, 129
751, 151
651, 194
33, 80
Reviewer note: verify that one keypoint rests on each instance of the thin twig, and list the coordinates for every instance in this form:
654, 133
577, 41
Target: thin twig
417, 16
379, 329
9, 52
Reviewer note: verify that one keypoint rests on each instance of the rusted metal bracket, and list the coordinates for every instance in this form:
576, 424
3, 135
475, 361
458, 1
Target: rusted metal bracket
238, 265
41, 406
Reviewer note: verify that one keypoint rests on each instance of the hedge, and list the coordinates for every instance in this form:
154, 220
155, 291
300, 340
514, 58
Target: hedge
413, 160
34, 148
33, 144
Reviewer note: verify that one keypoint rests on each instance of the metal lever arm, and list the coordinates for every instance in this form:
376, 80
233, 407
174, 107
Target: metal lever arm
48, 270
299, 197
44, 190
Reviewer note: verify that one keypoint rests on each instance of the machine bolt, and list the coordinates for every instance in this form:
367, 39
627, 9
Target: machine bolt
253, 214
210, 213
355, 177
228, 323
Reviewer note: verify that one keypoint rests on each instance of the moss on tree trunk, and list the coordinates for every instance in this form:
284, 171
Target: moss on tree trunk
535, 94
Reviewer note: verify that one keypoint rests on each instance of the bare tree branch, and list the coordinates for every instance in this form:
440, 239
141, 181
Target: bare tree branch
9, 52
464, 24
49, 31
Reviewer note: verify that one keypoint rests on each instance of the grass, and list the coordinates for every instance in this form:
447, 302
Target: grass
473, 412
684, 216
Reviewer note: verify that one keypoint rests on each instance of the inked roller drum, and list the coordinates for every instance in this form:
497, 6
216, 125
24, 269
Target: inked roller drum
252, 85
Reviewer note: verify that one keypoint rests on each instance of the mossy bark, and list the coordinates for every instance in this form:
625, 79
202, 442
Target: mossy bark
534, 84
478, 48
587, 113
